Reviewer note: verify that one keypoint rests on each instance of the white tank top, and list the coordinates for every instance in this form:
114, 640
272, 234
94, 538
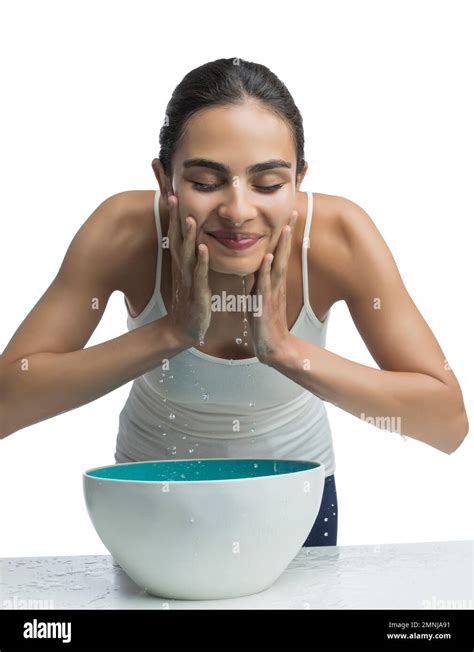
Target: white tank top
203, 406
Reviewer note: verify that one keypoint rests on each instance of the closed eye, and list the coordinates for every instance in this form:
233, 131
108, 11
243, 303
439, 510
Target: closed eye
209, 187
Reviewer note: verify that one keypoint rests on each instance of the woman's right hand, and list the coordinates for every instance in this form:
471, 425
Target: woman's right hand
191, 305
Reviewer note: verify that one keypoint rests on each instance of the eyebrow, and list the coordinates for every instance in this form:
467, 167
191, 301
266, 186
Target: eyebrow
251, 169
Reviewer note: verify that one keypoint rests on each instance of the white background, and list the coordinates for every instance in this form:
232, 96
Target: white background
385, 90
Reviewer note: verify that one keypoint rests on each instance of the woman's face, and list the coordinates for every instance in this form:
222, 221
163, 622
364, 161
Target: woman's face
234, 173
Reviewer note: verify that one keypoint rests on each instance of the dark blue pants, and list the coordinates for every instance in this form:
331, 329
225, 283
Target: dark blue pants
324, 530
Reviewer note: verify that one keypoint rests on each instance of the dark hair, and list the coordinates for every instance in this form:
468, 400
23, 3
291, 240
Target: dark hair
224, 82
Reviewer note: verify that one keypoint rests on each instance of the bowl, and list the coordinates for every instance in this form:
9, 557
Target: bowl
204, 529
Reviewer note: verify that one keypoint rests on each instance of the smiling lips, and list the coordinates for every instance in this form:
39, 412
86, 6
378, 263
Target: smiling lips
235, 240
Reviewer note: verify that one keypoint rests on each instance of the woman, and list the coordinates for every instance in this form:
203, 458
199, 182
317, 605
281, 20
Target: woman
228, 313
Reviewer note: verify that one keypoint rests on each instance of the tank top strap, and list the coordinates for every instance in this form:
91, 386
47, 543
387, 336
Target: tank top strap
156, 206
159, 256
304, 249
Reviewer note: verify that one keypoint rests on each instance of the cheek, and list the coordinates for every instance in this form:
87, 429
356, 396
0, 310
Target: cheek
280, 213
193, 206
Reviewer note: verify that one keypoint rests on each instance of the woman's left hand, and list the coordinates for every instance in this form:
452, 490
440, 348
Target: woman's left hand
270, 330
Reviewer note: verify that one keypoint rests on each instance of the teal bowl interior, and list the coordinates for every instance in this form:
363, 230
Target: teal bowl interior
200, 470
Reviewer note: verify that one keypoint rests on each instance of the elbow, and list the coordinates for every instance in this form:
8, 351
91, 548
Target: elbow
458, 434
5, 429
5, 433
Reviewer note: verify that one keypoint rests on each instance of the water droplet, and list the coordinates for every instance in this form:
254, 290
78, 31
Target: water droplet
255, 466
184, 437
163, 434
161, 380
191, 520
245, 344
325, 534
251, 404
326, 518
238, 340
245, 333
173, 452
191, 450
171, 376
172, 416
201, 342
252, 430
334, 513
205, 397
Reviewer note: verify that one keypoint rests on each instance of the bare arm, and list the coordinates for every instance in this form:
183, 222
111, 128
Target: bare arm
45, 370
415, 391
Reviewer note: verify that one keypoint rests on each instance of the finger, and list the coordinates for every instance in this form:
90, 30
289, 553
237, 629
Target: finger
264, 284
202, 269
174, 231
282, 254
188, 253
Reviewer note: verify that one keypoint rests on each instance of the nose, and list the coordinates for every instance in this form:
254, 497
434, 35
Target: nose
237, 208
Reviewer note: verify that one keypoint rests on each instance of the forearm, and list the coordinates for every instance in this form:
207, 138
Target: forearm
414, 404
42, 385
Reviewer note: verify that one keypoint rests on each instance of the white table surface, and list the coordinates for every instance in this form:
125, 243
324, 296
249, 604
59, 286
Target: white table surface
434, 575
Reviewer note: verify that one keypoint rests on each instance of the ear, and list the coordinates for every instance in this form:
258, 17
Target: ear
163, 180
301, 175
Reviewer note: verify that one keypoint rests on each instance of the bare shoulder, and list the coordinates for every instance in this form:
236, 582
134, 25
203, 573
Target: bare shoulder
328, 246
123, 225
130, 211
345, 239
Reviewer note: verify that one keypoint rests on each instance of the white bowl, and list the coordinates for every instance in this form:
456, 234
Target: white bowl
204, 529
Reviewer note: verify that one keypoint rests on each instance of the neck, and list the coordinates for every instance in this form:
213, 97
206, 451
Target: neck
230, 283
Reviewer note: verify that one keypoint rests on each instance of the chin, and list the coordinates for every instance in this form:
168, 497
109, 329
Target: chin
240, 266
